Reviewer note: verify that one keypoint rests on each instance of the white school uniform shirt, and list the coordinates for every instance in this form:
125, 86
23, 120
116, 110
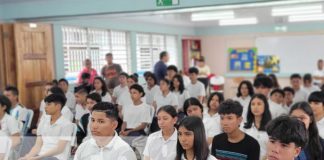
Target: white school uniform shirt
320, 126
181, 97
116, 149
62, 129
212, 124
106, 98
276, 109
245, 104
311, 89
135, 115
9, 125
150, 93
80, 111
197, 89
70, 101
157, 148
118, 91
4, 147
42, 107
186, 80
169, 99
300, 95
261, 136
19, 113
210, 157
318, 73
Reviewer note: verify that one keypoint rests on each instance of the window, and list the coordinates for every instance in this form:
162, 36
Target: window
149, 47
81, 43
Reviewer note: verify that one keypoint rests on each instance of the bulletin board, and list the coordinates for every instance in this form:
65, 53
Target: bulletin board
243, 59
268, 64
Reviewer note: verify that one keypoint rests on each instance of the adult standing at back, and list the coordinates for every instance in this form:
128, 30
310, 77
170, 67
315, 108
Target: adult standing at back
318, 74
160, 67
204, 71
110, 73
109, 59
89, 70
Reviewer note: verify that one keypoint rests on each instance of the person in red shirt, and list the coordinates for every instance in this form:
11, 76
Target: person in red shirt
87, 69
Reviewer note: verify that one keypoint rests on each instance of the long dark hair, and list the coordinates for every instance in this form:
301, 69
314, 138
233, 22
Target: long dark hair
249, 86
314, 146
181, 85
266, 116
200, 145
219, 95
274, 80
103, 87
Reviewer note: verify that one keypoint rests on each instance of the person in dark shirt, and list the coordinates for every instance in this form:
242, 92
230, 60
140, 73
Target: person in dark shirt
160, 67
233, 144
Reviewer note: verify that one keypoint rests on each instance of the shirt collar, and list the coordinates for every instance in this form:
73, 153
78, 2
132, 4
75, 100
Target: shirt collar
58, 121
110, 145
173, 137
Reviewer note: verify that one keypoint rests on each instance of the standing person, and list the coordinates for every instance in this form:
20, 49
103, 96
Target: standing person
87, 69
244, 93
162, 144
109, 60
111, 78
196, 88
233, 142
300, 93
151, 88
100, 87
204, 71
192, 140
316, 101
318, 74
315, 146
160, 68
178, 88
70, 99
258, 117
287, 137
308, 86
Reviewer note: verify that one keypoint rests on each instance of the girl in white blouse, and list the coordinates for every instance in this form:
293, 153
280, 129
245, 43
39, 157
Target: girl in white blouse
178, 88
244, 93
101, 88
258, 116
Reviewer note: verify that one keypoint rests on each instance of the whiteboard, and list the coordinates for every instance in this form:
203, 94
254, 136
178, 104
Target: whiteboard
298, 54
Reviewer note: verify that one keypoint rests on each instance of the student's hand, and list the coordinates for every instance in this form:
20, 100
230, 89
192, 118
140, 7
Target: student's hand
121, 133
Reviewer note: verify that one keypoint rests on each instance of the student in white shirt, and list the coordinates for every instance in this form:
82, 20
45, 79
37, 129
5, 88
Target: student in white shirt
186, 79
178, 88
289, 97
196, 88
258, 117
8, 124
204, 71
165, 96
121, 88
132, 79
4, 147
308, 86
277, 97
81, 100
105, 142
318, 74
244, 93
54, 139
17, 110
151, 88
136, 116
162, 144
300, 93
316, 101
70, 99
172, 70
192, 142
100, 87
47, 87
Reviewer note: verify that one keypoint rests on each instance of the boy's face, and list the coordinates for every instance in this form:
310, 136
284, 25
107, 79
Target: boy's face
171, 73
262, 90
194, 110
13, 98
281, 151
101, 126
193, 76
150, 81
295, 83
318, 108
288, 97
80, 98
230, 122
63, 86
277, 98
90, 103
52, 108
122, 79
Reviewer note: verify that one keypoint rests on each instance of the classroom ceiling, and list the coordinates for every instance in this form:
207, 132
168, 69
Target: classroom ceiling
19, 1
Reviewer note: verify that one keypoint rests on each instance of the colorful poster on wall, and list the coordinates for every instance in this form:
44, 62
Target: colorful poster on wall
243, 59
268, 64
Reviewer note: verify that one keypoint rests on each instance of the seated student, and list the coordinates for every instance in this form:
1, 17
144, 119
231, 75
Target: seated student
186, 79
177, 87
172, 70
70, 99
121, 88
84, 125
196, 88
233, 143
8, 124
151, 88
163, 144
85, 80
263, 85
80, 93
4, 147
132, 79
17, 110
287, 137
258, 117
308, 85
100, 87
136, 116
289, 97
315, 146
300, 93
165, 96
316, 101
47, 87
192, 140
105, 142
277, 96
244, 93
54, 139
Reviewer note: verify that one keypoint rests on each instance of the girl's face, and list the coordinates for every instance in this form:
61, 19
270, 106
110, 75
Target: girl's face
186, 138
302, 116
130, 82
165, 120
214, 103
135, 95
97, 84
257, 107
164, 86
244, 90
176, 83
194, 110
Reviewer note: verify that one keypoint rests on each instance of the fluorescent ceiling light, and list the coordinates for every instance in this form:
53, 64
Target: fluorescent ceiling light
238, 21
296, 10
302, 18
207, 16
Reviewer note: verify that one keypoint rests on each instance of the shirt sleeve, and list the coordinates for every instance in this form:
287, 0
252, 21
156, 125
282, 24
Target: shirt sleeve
4, 140
254, 153
202, 90
66, 132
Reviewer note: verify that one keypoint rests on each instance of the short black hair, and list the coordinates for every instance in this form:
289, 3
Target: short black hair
192, 101
82, 89
172, 68
307, 77
163, 54
289, 89
316, 96
295, 75
277, 90
230, 107
108, 108
94, 96
56, 90
13, 90
134, 77
287, 129
193, 70
123, 74
263, 81
56, 98
85, 75
63, 80
4, 101
139, 88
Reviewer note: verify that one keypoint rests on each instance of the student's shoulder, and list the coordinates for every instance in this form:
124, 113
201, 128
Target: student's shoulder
220, 136
250, 140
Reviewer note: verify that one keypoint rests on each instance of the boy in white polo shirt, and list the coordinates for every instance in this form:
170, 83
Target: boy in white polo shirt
18, 111
316, 101
196, 88
70, 99
80, 93
54, 139
120, 89
300, 93
105, 142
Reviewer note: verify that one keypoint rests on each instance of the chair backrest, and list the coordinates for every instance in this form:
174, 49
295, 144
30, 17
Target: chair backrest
73, 140
30, 118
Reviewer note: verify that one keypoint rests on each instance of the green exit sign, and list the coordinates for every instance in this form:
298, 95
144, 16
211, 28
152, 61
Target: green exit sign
167, 2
